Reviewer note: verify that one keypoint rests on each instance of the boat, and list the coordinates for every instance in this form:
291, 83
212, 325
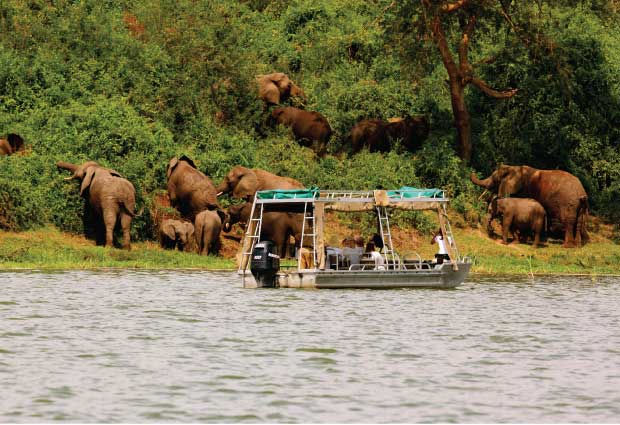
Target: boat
259, 264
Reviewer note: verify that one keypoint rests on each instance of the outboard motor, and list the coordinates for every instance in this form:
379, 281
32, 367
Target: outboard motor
265, 264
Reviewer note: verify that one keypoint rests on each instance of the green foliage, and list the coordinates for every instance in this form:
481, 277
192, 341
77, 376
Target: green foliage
132, 84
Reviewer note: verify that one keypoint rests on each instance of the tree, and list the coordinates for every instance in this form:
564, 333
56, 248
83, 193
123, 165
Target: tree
462, 74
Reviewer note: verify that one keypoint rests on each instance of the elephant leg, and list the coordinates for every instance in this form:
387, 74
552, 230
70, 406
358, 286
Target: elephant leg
505, 231
126, 226
536, 238
109, 221
569, 240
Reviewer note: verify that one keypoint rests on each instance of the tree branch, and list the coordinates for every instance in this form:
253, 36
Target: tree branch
464, 44
442, 44
451, 7
492, 92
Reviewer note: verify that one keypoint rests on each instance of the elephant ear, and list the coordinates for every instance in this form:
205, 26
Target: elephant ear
221, 214
247, 186
168, 229
510, 182
88, 179
173, 163
189, 227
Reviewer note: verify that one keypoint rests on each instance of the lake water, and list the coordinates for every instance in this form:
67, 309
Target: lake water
173, 346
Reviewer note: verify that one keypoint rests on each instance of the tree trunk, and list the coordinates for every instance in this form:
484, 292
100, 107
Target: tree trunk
461, 120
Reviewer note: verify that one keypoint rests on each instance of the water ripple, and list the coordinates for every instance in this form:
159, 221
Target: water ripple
166, 346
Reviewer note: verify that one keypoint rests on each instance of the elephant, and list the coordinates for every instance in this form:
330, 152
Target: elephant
523, 215
276, 88
379, 136
559, 192
12, 144
175, 234
245, 182
190, 190
208, 227
110, 197
310, 128
277, 227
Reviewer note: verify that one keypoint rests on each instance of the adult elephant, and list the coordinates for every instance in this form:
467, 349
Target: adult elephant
277, 227
379, 136
560, 193
190, 191
111, 198
11, 144
245, 182
208, 226
277, 87
176, 234
310, 128
523, 215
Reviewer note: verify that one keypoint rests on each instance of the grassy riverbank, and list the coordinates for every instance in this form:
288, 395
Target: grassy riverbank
49, 248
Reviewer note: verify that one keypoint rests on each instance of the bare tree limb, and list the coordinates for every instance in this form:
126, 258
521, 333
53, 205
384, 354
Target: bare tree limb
492, 92
464, 44
451, 7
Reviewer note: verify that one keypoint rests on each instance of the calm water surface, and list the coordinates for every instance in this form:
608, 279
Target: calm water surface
136, 346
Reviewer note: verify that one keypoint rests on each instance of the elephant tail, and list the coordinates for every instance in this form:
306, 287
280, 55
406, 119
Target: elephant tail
583, 211
133, 214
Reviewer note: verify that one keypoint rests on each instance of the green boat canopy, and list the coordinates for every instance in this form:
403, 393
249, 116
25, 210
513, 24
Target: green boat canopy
311, 192
412, 192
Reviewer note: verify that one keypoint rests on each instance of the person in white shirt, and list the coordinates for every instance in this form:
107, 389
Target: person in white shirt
442, 253
371, 250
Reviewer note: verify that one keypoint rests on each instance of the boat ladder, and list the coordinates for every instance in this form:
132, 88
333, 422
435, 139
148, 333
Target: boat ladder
308, 225
386, 235
451, 241
252, 235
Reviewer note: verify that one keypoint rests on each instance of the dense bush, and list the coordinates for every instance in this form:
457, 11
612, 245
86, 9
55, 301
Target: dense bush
131, 84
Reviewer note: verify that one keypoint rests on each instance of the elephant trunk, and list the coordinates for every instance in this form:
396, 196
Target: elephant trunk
486, 183
67, 166
222, 188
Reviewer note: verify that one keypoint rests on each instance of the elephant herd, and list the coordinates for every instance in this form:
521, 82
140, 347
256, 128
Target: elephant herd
111, 201
312, 130
530, 201
195, 197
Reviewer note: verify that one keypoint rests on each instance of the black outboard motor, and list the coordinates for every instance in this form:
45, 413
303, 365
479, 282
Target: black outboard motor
265, 264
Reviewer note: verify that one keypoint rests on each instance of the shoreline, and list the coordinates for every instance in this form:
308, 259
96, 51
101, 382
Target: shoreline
49, 249
233, 270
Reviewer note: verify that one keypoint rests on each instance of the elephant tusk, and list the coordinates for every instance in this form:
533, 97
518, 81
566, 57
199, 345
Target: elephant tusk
68, 178
218, 194
483, 193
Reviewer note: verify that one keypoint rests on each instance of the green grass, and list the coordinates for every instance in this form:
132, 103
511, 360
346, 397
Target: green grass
49, 249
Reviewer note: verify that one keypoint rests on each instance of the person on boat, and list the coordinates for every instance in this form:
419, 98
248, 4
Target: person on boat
375, 255
306, 260
440, 240
378, 241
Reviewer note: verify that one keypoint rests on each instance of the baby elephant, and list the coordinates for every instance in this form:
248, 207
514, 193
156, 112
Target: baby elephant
522, 215
208, 226
175, 234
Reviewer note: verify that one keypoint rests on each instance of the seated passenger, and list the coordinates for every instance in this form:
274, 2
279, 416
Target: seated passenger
375, 255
